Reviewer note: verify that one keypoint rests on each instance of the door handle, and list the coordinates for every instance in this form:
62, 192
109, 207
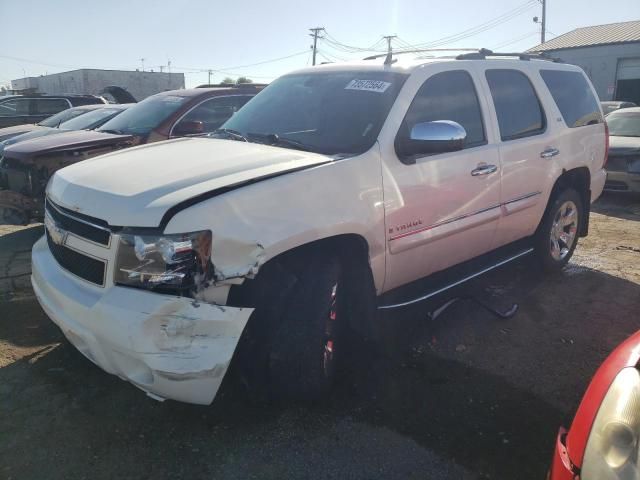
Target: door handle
549, 152
483, 169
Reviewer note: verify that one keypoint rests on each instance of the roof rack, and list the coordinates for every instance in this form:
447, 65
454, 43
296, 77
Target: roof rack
420, 50
483, 53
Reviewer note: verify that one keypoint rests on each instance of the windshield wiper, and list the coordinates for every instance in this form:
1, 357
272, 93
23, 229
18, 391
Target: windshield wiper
233, 134
275, 139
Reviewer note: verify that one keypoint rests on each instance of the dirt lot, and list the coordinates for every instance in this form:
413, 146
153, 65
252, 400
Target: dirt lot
466, 396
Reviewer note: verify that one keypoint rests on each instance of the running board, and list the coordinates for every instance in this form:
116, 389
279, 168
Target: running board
458, 282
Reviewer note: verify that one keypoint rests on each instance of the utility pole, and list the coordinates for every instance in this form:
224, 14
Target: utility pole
543, 21
388, 38
142, 61
315, 34
210, 72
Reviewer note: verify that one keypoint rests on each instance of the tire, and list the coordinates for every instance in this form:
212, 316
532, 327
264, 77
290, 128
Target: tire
306, 344
557, 236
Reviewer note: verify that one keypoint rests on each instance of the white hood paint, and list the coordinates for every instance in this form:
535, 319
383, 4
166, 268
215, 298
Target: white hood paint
135, 187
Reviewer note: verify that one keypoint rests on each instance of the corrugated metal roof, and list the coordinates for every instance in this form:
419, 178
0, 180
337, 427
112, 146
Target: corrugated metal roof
623, 32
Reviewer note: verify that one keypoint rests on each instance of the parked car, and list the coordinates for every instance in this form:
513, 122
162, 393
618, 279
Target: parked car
29, 164
50, 122
612, 106
623, 166
92, 117
602, 442
309, 210
19, 109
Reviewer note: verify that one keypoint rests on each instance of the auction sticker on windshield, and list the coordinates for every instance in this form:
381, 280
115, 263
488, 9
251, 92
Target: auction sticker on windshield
368, 85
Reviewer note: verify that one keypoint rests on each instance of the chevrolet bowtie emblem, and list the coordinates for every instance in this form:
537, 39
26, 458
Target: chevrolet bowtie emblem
57, 234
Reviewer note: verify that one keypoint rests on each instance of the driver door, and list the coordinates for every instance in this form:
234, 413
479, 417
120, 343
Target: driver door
440, 209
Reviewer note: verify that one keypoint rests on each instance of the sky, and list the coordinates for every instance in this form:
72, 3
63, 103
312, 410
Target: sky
251, 37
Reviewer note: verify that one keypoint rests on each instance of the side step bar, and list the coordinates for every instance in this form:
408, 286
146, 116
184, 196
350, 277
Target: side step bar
458, 282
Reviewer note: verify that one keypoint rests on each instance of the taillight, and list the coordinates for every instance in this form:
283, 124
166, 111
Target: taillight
606, 144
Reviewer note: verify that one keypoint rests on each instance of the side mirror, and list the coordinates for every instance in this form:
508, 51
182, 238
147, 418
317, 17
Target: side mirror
427, 138
188, 127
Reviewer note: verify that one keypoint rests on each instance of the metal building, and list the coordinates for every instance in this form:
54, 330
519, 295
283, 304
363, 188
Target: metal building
609, 54
93, 81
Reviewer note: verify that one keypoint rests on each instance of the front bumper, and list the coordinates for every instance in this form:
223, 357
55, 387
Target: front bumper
170, 347
561, 467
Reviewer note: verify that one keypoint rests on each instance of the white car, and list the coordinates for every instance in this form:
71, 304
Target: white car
308, 210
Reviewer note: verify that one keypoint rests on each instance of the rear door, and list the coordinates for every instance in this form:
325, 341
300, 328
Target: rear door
528, 146
42, 108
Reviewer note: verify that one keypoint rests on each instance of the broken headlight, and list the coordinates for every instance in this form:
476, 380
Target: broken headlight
169, 262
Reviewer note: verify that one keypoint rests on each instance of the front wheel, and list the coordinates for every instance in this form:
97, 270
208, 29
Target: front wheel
305, 347
557, 235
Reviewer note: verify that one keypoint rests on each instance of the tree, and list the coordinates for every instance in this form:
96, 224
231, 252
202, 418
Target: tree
244, 80
228, 80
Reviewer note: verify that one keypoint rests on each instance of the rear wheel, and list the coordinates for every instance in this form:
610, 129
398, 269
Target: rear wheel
557, 235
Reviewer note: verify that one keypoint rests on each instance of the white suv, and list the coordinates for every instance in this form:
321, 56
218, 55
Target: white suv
316, 202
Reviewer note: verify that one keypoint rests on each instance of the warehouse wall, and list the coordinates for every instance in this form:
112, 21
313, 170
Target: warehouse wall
600, 63
139, 84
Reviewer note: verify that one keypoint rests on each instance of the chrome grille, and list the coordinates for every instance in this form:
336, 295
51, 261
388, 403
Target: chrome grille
78, 226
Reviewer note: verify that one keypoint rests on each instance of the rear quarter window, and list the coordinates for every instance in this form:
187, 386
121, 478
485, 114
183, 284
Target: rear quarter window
573, 96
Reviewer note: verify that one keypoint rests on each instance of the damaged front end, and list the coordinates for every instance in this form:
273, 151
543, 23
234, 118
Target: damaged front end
181, 264
24, 174
146, 306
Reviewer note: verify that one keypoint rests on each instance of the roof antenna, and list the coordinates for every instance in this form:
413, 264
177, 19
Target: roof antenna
389, 58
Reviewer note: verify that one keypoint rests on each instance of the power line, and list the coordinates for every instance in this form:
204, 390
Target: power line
266, 61
478, 28
515, 40
335, 44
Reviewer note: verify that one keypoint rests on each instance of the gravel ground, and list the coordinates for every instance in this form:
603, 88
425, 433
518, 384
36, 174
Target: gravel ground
466, 396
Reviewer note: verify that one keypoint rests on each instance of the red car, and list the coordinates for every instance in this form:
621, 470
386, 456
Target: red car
602, 442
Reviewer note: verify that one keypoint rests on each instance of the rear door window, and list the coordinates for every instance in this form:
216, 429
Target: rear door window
517, 106
573, 96
49, 106
448, 96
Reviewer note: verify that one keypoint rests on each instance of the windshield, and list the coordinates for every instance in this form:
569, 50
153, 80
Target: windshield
58, 118
91, 120
329, 113
143, 117
624, 124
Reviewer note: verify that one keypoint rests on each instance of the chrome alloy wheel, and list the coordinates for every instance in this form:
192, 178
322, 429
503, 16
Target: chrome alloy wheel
564, 230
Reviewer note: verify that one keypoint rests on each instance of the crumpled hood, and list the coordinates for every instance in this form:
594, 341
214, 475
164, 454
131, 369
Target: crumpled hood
135, 187
624, 145
71, 140
9, 132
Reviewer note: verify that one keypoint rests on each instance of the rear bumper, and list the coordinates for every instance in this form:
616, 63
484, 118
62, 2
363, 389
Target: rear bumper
170, 347
622, 182
598, 180
561, 468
